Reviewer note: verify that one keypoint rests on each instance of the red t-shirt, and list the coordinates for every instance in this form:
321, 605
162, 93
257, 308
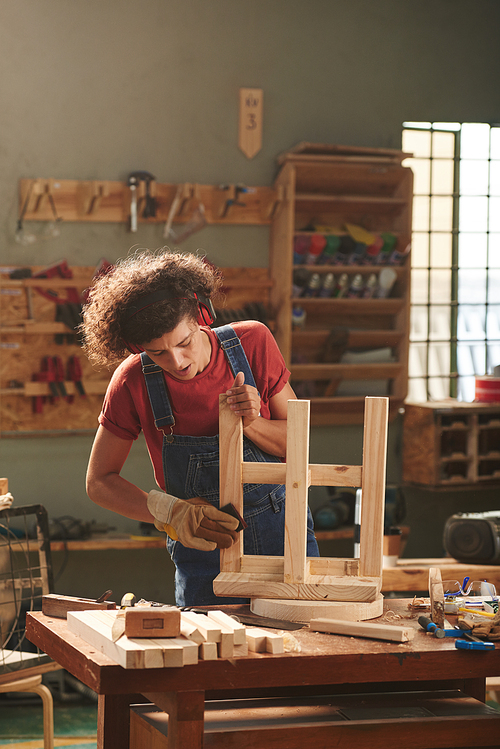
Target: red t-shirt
127, 411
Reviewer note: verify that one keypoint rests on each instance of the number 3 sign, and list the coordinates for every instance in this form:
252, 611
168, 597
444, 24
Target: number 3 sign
250, 125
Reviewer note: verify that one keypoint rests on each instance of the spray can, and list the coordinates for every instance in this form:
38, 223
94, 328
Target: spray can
330, 250
370, 286
341, 286
314, 285
300, 247
328, 286
356, 288
315, 250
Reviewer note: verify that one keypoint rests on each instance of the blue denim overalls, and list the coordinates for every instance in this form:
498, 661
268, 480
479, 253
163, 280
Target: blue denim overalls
191, 469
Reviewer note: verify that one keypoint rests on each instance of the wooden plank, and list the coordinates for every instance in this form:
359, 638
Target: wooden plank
319, 474
231, 487
152, 621
335, 475
221, 618
209, 629
208, 651
297, 485
270, 586
373, 486
98, 634
255, 564
95, 627
363, 629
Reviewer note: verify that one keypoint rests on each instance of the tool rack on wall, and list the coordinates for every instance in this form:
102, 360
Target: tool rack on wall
110, 201
29, 334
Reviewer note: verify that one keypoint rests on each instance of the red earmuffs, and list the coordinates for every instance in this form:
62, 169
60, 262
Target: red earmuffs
206, 311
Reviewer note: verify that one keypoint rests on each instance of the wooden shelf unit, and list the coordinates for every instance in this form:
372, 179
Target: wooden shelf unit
450, 444
369, 188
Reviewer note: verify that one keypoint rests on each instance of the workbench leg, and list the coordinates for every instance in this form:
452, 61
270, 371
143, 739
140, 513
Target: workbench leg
113, 720
186, 714
475, 688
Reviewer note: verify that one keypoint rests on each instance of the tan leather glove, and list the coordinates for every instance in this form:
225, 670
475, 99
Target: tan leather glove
194, 522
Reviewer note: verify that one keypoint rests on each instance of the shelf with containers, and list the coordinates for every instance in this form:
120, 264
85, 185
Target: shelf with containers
340, 263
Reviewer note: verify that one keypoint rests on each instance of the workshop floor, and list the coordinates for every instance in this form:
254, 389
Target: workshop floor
21, 720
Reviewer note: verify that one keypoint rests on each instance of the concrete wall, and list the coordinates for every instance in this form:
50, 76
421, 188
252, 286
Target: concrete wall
93, 89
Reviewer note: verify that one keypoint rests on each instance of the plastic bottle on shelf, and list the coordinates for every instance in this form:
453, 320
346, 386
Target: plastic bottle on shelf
398, 257
341, 286
315, 249
328, 286
301, 244
356, 287
373, 250
389, 240
299, 281
347, 245
370, 287
357, 255
313, 285
331, 248
386, 279
298, 318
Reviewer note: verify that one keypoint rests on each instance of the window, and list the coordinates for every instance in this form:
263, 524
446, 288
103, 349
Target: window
455, 298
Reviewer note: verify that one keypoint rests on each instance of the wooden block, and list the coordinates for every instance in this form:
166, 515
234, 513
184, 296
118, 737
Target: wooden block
58, 606
274, 643
209, 629
220, 617
208, 651
363, 629
240, 651
152, 621
225, 647
256, 639
118, 626
191, 632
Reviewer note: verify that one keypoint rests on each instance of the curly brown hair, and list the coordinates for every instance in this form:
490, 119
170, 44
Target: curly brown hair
107, 329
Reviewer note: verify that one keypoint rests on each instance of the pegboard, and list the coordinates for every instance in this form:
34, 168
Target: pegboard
29, 333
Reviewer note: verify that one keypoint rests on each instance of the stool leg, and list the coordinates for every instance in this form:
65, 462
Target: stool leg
48, 715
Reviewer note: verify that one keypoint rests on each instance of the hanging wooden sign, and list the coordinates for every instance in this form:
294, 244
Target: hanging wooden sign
250, 124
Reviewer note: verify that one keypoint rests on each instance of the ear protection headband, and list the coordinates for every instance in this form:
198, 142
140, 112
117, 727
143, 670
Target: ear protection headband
206, 312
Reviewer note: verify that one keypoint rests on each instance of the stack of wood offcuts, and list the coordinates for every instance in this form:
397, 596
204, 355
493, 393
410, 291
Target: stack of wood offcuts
164, 636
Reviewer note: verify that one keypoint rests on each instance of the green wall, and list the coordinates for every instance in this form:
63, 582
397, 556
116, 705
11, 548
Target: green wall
93, 89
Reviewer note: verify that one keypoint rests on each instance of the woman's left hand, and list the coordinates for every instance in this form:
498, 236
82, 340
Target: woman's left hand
244, 400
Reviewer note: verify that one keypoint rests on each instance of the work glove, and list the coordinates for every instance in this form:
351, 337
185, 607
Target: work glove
194, 522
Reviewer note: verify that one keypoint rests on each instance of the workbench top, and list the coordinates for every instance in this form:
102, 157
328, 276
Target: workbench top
323, 659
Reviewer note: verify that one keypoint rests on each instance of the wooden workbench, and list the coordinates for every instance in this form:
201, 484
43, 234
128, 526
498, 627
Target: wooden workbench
326, 664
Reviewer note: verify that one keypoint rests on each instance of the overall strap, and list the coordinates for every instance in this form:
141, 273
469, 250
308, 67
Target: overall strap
235, 354
157, 392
